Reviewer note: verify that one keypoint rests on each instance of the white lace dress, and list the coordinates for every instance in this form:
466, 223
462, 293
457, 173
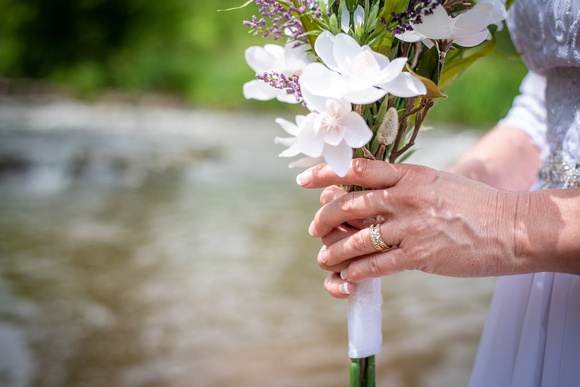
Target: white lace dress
532, 334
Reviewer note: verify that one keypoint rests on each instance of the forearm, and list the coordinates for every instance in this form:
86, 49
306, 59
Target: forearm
504, 158
547, 231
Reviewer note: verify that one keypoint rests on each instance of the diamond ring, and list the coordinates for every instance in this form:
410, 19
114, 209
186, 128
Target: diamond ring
376, 239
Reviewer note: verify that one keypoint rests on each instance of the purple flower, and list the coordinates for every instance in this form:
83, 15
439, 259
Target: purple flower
413, 14
281, 20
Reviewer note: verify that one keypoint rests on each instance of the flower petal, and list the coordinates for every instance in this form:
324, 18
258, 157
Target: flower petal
299, 118
286, 97
319, 80
338, 157
264, 59
332, 135
260, 90
345, 18
435, 26
286, 141
472, 40
359, 16
392, 70
324, 47
313, 102
310, 141
289, 127
404, 86
357, 133
291, 143
364, 63
381, 59
364, 97
470, 28
480, 16
345, 50
293, 150
410, 36
296, 58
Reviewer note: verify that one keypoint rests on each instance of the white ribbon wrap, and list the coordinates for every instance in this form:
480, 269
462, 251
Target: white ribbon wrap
365, 336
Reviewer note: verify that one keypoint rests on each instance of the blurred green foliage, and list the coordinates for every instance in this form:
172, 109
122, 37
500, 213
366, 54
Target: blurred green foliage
181, 46
184, 47
482, 94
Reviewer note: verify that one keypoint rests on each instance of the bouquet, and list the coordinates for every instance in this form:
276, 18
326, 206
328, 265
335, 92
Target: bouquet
366, 72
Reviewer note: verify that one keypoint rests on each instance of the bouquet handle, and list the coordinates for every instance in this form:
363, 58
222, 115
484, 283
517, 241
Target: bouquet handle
365, 336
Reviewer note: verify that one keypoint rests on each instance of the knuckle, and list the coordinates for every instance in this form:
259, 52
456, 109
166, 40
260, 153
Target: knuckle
358, 242
327, 195
374, 266
348, 202
417, 226
359, 167
422, 198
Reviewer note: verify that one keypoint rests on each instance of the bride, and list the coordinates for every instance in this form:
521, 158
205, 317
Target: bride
510, 207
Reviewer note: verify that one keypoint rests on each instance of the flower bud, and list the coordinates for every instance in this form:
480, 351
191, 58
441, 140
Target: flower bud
389, 128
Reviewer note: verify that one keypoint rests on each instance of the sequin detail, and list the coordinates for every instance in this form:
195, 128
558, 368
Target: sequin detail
556, 172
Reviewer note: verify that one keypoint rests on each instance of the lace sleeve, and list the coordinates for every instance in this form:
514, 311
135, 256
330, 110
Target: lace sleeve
528, 111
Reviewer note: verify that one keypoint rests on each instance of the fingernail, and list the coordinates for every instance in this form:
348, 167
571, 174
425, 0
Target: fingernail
323, 256
343, 288
311, 228
304, 178
344, 274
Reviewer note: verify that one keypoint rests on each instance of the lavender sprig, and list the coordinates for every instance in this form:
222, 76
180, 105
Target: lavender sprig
281, 20
413, 15
282, 82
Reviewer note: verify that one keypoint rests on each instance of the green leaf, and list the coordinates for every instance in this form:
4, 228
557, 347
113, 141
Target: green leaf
240, 7
375, 37
382, 111
429, 63
432, 89
351, 5
372, 18
333, 24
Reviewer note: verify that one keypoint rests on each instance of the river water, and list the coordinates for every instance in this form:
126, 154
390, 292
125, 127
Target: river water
150, 246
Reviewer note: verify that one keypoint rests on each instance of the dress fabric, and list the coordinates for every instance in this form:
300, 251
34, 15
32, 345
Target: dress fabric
532, 333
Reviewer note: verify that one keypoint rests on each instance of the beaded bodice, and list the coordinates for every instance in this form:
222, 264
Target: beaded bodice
547, 34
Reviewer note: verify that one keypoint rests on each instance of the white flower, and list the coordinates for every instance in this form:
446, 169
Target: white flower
467, 29
292, 143
332, 132
272, 58
356, 74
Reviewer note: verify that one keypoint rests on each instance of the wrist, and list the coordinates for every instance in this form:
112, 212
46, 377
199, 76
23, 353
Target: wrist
546, 231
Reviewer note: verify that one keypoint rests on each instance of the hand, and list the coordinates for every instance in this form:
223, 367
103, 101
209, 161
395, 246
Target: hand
436, 222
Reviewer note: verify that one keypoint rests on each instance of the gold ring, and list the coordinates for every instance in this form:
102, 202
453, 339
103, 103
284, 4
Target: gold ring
376, 239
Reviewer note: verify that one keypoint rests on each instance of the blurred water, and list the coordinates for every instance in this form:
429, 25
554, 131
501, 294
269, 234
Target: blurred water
175, 253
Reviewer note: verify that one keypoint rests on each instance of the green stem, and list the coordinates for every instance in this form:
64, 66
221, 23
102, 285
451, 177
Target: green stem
370, 372
362, 372
355, 372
